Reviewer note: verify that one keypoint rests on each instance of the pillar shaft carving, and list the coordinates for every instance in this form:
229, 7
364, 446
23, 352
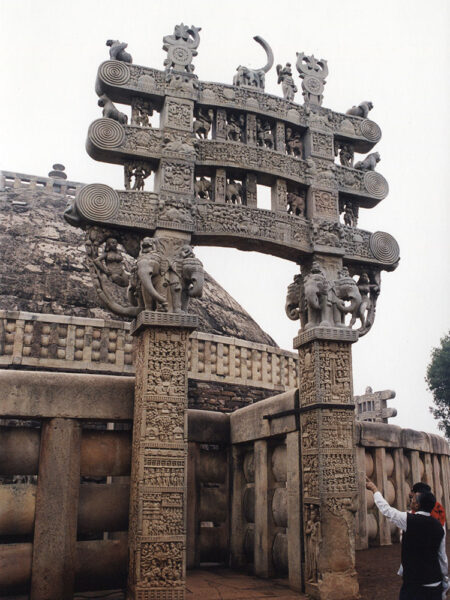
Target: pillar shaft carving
157, 535
328, 459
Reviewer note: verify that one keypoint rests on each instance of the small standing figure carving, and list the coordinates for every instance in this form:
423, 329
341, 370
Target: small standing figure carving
346, 155
117, 51
141, 112
312, 533
287, 81
294, 144
264, 134
235, 127
202, 123
140, 172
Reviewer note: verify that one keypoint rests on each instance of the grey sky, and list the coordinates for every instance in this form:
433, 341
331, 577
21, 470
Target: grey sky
395, 53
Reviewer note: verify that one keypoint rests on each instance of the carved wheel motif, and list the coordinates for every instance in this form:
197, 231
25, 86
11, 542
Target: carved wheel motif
180, 55
106, 133
384, 247
97, 202
370, 130
114, 72
376, 185
313, 85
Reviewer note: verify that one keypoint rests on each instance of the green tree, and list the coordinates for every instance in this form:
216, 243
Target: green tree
438, 381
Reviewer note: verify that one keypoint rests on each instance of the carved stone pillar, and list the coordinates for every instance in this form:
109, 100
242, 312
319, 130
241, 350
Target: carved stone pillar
279, 196
328, 462
219, 186
250, 129
251, 190
280, 137
220, 125
157, 534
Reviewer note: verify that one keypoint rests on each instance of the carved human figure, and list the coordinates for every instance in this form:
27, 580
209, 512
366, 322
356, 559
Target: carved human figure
349, 217
117, 51
139, 171
294, 144
296, 204
202, 124
235, 127
346, 155
141, 112
312, 533
203, 188
362, 110
254, 77
369, 163
148, 281
110, 262
233, 193
316, 289
287, 81
264, 134
369, 293
110, 111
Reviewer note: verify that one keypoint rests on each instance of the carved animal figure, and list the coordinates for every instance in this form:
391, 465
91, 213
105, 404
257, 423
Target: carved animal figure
202, 188
202, 125
362, 110
110, 111
254, 77
295, 204
117, 51
348, 299
294, 144
147, 280
369, 163
190, 272
316, 294
233, 194
295, 306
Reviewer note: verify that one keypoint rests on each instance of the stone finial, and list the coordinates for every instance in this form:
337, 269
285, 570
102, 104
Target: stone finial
117, 51
246, 77
58, 172
181, 47
313, 73
362, 110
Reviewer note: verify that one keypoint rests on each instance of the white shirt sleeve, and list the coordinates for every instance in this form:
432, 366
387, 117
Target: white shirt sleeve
443, 562
395, 516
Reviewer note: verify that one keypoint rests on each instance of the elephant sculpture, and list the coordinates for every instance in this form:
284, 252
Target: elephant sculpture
316, 289
295, 306
202, 188
234, 193
191, 279
255, 77
348, 299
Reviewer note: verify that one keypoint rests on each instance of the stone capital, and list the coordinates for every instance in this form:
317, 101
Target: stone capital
330, 334
150, 318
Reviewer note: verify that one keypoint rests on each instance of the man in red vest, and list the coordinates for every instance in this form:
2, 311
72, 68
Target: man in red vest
424, 560
438, 511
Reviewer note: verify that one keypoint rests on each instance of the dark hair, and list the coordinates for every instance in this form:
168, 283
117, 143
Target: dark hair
420, 487
426, 501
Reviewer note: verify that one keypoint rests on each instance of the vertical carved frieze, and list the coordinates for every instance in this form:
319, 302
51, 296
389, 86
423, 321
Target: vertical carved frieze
220, 125
328, 467
250, 130
280, 137
251, 190
279, 196
219, 186
157, 534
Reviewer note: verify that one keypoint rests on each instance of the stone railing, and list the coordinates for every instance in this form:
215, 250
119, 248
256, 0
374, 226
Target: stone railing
45, 341
15, 181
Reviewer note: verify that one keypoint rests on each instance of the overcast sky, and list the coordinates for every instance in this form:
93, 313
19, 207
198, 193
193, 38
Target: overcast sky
392, 52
